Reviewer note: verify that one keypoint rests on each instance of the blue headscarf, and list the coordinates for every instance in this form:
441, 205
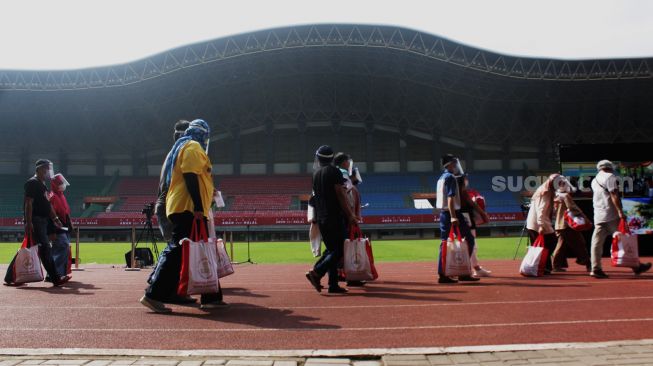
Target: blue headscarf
198, 130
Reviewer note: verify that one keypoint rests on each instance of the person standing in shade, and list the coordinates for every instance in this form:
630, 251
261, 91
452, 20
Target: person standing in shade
169, 262
188, 175
448, 201
333, 215
61, 244
608, 211
39, 216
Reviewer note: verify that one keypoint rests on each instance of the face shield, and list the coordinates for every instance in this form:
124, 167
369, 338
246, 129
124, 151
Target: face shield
457, 168
60, 182
320, 159
350, 169
50, 168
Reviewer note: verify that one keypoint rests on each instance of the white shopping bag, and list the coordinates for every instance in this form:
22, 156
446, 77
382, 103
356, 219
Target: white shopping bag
27, 266
225, 268
199, 273
625, 252
456, 255
356, 260
316, 239
534, 261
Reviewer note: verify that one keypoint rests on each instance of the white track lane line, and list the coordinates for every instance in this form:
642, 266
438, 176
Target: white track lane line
325, 329
378, 306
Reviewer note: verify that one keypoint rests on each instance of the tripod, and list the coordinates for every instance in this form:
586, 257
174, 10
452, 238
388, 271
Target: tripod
249, 258
149, 235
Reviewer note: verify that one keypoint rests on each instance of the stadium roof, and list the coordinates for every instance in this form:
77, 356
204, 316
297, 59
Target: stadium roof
334, 77
328, 36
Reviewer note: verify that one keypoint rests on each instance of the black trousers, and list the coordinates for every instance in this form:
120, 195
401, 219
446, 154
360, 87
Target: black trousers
165, 280
333, 234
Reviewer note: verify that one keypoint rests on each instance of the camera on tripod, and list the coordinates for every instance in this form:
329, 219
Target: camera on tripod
143, 256
148, 210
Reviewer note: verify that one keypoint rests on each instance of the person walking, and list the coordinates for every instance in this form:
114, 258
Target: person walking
539, 219
608, 211
39, 219
188, 174
569, 241
448, 202
333, 214
346, 165
61, 244
169, 262
471, 210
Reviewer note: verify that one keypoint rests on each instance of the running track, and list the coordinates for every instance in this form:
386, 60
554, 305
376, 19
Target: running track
273, 307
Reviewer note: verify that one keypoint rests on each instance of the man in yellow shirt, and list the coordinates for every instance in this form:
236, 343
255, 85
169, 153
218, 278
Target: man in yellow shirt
187, 171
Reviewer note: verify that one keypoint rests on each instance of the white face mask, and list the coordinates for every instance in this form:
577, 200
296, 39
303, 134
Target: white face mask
62, 188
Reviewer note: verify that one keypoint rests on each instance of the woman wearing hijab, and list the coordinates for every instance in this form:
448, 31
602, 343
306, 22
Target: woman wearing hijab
539, 220
61, 242
569, 240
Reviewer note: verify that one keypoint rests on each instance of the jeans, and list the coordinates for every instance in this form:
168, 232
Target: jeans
165, 280
445, 230
165, 226
61, 253
333, 234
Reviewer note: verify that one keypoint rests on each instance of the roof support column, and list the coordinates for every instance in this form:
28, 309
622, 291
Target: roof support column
403, 151
369, 143
99, 163
235, 149
269, 147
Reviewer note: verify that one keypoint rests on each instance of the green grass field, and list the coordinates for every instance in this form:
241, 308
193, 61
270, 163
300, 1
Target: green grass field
299, 252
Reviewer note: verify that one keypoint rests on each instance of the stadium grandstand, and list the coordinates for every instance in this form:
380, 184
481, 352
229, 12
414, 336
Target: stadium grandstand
395, 99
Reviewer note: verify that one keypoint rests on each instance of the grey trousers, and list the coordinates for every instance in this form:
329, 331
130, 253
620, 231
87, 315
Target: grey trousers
601, 232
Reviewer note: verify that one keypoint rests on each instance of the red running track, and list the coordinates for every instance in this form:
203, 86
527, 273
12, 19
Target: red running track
273, 307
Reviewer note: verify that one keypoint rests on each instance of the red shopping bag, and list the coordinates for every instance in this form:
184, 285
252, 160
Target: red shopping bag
534, 261
577, 222
199, 268
625, 252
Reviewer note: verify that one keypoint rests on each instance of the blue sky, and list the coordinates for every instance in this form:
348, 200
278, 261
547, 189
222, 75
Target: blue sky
75, 34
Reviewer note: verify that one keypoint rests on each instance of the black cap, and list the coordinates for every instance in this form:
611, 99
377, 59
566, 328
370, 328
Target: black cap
324, 151
41, 162
446, 159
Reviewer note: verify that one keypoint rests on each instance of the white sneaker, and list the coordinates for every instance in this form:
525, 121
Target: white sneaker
481, 272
